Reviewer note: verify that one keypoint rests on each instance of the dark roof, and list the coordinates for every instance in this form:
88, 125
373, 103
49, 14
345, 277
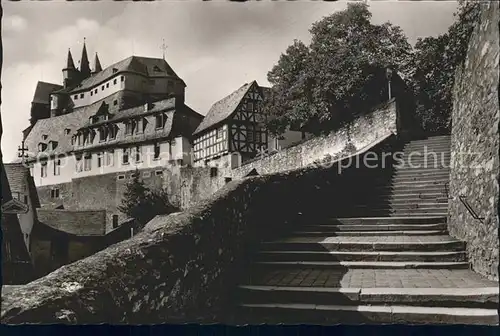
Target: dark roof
43, 91
17, 175
142, 65
75, 222
137, 111
54, 127
222, 109
20, 180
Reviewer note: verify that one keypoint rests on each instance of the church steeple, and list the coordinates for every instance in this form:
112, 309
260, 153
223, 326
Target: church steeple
84, 63
69, 63
97, 64
70, 73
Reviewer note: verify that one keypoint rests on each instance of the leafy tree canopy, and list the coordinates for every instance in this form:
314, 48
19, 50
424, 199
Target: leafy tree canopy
323, 83
434, 65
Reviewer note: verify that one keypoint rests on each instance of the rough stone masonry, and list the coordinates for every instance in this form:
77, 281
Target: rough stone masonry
475, 146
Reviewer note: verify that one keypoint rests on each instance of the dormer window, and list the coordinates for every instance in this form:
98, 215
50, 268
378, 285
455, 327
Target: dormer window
75, 97
112, 132
115, 70
160, 120
102, 134
44, 136
129, 127
67, 131
156, 69
42, 146
140, 125
52, 145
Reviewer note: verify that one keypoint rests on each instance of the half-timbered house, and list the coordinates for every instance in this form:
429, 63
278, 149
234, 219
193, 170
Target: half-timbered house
231, 130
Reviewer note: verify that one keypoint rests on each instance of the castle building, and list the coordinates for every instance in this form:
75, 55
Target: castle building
129, 115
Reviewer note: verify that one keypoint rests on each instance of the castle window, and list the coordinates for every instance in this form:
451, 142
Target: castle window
160, 120
91, 93
107, 85
42, 146
99, 160
67, 131
115, 102
114, 81
75, 97
158, 172
102, 88
122, 78
81, 95
43, 169
44, 136
87, 162
129, 127
138, 154
110, 158
125, 156
121, 177
57, 167
102, 134
95, 91
79, 164
213, 171
54, 193
156, 150
53, 145
112, 132
140, 125
115, 221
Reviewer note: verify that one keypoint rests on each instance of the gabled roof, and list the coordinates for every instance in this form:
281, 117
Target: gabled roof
17, 175
43, 91
142, 65
222, 109
75, 222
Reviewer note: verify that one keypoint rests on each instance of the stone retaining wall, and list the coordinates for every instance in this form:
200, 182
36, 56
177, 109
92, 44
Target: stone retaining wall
475, 146
183, 266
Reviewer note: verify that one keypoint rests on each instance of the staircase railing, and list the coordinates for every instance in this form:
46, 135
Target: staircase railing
469, 208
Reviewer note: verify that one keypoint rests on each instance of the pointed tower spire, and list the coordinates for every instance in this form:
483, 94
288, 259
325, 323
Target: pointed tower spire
84, 63
97, 64
69, 63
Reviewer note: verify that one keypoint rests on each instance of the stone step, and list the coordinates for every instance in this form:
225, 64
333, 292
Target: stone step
405, 170
365, 264
482, 297
355, 314
325, 243
377, 227
416, 181
304, 233
419, 196
412, 178
442, 211
454, 256
403, 206
385, 220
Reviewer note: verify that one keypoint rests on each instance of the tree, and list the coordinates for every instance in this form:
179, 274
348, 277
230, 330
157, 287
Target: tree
142, 204
434, 64
324, 84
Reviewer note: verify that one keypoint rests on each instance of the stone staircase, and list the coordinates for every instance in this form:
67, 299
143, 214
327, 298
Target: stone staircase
392, 262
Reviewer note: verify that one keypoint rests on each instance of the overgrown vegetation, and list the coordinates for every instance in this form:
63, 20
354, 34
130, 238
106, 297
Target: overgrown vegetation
143, 204
434, 64
327, 82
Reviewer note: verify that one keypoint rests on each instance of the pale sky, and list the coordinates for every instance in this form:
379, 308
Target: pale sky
215, 47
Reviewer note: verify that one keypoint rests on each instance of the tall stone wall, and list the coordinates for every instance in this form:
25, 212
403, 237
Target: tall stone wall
363, 132
475, 145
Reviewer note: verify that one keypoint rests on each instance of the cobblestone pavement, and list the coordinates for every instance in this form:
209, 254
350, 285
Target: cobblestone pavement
367, 239
369, 278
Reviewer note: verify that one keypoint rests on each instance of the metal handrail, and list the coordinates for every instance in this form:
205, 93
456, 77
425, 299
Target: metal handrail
474, 215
